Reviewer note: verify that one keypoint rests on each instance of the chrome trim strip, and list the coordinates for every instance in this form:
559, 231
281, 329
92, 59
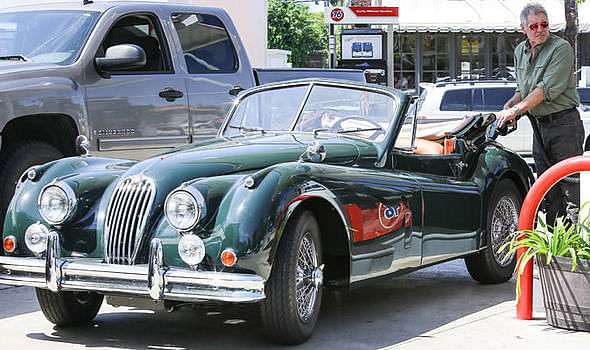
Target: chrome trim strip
118, 144
134, 280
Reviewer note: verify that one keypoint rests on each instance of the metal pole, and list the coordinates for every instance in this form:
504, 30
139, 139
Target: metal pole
390, 55
332, 47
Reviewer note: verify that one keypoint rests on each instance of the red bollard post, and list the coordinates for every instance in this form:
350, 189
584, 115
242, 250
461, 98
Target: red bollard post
526, 220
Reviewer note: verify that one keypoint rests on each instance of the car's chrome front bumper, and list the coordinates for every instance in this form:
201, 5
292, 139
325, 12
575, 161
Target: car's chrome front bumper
153, 280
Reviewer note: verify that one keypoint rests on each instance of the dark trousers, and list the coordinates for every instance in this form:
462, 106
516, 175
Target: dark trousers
562, 137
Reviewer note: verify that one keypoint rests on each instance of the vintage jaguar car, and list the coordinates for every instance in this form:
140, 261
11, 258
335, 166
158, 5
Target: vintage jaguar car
309, 184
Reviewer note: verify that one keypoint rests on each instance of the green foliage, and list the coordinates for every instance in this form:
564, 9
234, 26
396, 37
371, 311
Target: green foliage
292, 27
562, 239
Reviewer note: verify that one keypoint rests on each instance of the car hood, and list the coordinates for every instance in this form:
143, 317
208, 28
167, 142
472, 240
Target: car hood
15, 69
244, 154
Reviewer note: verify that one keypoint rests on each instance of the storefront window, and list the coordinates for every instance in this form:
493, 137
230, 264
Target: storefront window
404, 61
503, 45
435, 50
471, 52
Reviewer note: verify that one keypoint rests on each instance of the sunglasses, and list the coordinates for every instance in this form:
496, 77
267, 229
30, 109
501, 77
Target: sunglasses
535, 26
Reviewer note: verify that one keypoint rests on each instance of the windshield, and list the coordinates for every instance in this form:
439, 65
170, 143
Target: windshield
314, 108
44, 36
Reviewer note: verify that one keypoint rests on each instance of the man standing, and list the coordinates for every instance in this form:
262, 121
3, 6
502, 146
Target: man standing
545, 77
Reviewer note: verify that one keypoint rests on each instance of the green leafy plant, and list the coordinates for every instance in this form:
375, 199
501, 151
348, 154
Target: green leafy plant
546, 241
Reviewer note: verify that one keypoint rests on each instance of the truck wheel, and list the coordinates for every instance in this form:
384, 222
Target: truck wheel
15, 161
294, 289
68, 308
490, 266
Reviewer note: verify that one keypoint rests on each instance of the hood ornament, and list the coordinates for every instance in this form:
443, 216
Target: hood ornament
315, 152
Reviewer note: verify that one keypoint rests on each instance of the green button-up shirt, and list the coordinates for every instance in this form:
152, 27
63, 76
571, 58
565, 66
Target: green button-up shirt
552, 69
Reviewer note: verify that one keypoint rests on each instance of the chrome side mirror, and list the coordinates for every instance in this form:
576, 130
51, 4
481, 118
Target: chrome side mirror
316, 152
83, 145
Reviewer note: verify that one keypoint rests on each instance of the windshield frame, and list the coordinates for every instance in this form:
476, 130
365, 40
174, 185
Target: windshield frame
75, 57
390, 93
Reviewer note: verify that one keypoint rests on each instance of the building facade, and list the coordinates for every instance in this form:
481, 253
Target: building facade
452, 39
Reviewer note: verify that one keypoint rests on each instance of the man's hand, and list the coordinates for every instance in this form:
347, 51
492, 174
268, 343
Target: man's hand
506, 116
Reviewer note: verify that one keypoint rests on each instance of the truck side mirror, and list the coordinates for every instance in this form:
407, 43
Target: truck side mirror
121, 57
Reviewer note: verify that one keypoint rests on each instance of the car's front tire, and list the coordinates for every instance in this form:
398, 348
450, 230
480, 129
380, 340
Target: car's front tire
69, 308
490, 266
294, 289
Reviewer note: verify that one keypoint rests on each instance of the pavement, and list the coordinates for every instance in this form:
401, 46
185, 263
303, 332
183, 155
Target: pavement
439, 307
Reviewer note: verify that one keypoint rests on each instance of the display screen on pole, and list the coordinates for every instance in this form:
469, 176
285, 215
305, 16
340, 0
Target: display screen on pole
362, 47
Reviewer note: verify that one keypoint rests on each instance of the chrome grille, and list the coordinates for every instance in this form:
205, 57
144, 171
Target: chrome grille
126, 218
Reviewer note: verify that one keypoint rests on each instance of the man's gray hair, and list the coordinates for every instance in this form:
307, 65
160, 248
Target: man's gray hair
532, 8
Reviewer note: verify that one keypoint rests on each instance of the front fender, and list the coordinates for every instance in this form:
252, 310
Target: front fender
26, 95
251, 219
79, 232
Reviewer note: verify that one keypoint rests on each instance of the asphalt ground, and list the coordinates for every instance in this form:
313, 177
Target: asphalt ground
439, 307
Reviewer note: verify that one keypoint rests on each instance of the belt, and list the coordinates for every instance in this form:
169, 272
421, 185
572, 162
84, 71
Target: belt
550, 118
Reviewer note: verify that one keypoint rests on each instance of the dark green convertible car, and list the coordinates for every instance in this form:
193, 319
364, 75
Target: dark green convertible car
309, 184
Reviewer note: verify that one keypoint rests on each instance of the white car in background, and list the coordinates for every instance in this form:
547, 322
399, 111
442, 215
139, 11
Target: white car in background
456, 100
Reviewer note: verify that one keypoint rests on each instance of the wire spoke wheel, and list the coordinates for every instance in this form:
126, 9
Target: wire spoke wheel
504, 224
307, 286
489, 265
294, 289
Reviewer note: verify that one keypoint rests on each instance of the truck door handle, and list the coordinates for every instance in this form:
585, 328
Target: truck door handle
236, 90
170, 94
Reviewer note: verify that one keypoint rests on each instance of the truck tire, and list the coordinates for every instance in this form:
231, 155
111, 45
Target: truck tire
69, 308
294, 289
15, 160
490, 266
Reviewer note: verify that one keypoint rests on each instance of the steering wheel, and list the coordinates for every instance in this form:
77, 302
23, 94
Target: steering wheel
337, 126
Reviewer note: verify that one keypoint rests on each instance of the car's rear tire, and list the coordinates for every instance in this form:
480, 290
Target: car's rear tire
490, 266
13, 163
294, 289
69, 308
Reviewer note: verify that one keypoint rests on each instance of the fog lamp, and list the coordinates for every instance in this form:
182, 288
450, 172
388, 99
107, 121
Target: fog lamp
191, 249
9, 244
36, 238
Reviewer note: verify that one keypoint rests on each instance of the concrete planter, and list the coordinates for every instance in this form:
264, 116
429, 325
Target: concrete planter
566, 294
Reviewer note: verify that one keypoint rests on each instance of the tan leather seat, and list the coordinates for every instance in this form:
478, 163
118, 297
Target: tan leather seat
428, 147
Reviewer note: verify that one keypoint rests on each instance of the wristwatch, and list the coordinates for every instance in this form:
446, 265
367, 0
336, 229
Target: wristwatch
516, 110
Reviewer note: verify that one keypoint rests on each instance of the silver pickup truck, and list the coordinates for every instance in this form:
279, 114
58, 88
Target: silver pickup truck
134, 78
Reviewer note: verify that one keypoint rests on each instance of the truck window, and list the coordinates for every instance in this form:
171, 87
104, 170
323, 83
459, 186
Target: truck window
141, 30
205, 42
43, 36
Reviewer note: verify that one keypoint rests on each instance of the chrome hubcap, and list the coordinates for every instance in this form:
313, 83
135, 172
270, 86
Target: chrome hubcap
309, 277
504, 224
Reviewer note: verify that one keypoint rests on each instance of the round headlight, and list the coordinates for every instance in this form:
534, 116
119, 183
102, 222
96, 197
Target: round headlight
56, 203
191, 249
184, 208
36, 238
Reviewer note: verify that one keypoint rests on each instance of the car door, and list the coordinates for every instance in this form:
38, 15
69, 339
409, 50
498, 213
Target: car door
213, 69
139, 112
386, 220
451, 205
